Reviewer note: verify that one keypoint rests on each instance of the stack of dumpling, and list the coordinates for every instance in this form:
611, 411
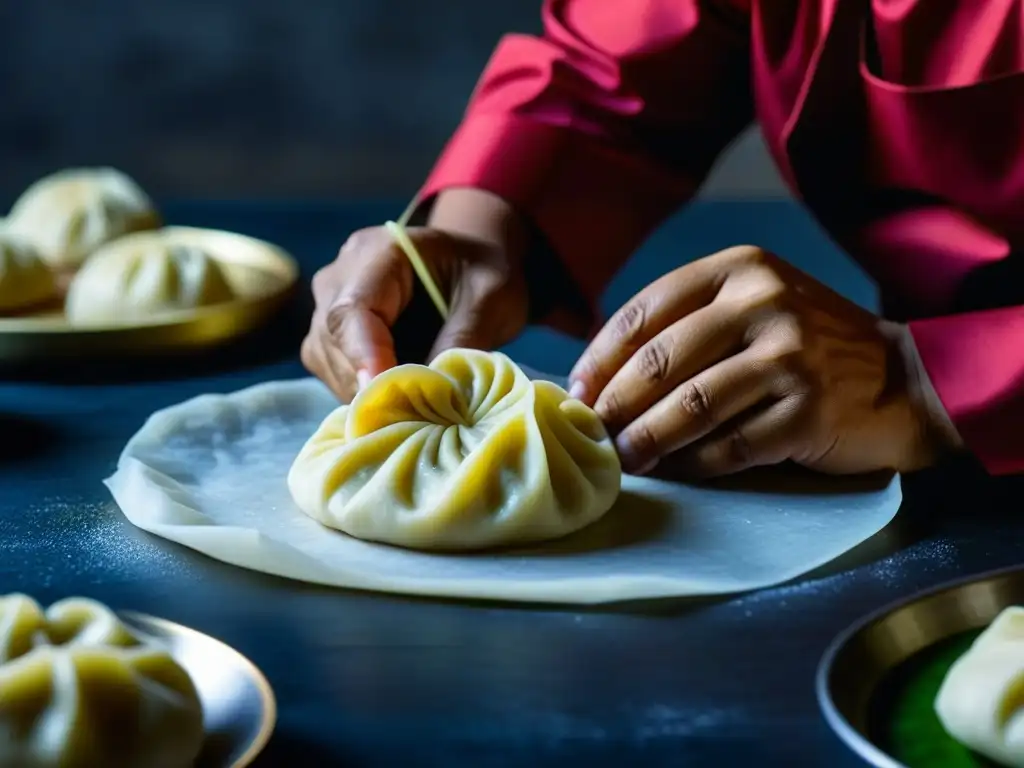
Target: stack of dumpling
82, 227
78, 689
68, 215
26, 282
142, 276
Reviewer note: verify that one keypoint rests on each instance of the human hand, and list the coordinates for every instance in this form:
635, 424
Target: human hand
361, 294
740, 360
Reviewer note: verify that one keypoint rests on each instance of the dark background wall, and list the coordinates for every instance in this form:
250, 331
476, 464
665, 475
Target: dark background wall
258, 98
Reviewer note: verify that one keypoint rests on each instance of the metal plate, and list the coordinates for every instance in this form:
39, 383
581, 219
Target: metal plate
861, 659
262, 276
239, 711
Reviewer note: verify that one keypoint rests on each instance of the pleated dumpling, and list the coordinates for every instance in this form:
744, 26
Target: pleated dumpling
79, 690
69, 214
25, 280
981, 700
141, 276
466, 453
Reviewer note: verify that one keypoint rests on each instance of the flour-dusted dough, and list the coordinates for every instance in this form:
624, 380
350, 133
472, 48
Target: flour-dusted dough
71, 213
466, 453
981, 701
25, 280
79, 690
211, 474
143, 275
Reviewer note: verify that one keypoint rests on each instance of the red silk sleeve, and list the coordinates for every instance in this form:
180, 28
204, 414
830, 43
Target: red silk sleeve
604, 125
976, 364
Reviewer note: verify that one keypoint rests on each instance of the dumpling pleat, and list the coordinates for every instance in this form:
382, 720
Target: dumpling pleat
466, 453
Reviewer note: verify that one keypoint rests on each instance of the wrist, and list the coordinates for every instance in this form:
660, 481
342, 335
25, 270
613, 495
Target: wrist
483, 216
487, 217
937, 430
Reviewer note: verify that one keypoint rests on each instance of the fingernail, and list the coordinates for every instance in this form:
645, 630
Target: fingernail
578, 390
632, 464
363, 378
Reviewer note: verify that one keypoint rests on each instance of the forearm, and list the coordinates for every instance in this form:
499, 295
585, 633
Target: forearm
482, 215
593, 162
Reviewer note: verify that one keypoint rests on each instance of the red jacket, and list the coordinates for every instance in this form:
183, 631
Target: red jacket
898, 123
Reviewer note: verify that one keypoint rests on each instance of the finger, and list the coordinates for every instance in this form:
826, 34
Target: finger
680, 352
694, 409
360, 340
647, 314
360, 313
769, 436
339, 380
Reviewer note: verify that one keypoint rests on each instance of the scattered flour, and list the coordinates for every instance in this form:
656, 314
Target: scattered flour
938, 555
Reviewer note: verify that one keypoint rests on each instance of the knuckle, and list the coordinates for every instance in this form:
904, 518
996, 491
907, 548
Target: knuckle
610, 408
789, 369
358, 240
643, 443
321, 279
786, 353
334, 318
767, 295
736, 448
745, 256
787, 357
308, 355
697, 403
629, 321
653, 361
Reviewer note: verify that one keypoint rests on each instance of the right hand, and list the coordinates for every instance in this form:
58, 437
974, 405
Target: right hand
361, 294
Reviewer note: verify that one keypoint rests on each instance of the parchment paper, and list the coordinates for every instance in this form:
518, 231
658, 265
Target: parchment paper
210, 474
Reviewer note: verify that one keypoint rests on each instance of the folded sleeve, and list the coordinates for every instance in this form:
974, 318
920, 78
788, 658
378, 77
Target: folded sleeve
976, 363
601, 127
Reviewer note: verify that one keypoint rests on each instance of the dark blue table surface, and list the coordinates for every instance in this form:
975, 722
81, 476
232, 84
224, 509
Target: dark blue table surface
377, 680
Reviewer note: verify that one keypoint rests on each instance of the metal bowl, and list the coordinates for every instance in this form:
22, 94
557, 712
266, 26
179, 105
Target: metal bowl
858, 660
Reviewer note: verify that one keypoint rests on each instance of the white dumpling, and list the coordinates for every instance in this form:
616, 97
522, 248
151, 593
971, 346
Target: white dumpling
69, 214
143, 275
79, 690
25, 280
981, 701
467, 453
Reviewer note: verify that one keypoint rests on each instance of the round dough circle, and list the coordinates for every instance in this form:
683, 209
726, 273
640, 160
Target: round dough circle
78, 689
25, 280
69, 214
467, 453
143, 275
211, 474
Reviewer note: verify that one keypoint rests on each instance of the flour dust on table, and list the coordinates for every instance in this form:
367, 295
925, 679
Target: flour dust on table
211, 474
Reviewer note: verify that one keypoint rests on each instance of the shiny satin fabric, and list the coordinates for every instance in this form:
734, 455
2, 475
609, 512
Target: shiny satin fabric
899, 124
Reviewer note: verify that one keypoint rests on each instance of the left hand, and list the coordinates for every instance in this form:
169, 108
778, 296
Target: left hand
740, 359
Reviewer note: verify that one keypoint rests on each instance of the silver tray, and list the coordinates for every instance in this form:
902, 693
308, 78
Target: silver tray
239, 711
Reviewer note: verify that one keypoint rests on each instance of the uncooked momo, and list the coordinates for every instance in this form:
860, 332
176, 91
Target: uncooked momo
79, 690
70, 214
981, 701
467, 453
25, 280
143, 275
